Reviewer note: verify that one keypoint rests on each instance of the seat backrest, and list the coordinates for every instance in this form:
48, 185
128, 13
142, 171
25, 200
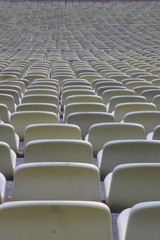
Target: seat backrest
8, 135
83, 107
8, 100
129, 184
4, 113
85, 119
75, 92
12, 93
41, 98
49, 181
122, 109
123, 99
140, 222
47, 107
51, 131
149, 119
127, 151
7, 161
55, 219
107, 95
20, 120
83, 98
58, 150
101, 133
150, 94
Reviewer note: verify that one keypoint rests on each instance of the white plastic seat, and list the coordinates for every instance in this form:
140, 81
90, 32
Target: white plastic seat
107, 95
85, 119
55, 219
20, 120
140, 222
101, 133
51, 131
132, 183
2, 188
122, 109
49, 181
127, 151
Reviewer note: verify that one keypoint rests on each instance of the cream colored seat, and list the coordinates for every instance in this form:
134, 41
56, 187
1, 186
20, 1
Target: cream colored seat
51, 131
122, 109
47, 107
4, 113
140, 222
101, 133
149, 119
123, 99
8, 100
85, 119
83, 107
108, 94
55, 219
12, 93
41, 91
58, 150
49, 181
127, 151
8, 135
20, 120
41, 98
150, 94
83, 98
7, 161
132, 183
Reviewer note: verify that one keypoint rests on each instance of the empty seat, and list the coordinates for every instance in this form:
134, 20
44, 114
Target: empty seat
132, 183
123, 99
55, 219
8, 135
107, 95
83, 98
56, 181
51, 131
58, 150
149, 119
122, 109
140, 222
150, 94
20, 120
101, 133
7, 161
8, 100
4, 113
83, 107
85, 119
127, 151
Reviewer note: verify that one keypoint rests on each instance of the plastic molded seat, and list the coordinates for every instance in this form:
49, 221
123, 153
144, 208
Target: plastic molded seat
132, 183
107, 95
83, 98
83, 107
7, 161
55, 219
123, 99
8, 100
51, 131
140, 222
20, 120
8, 135
123, 108
49, 181
85, 119
150, 94
149, 119
41, 98
4, 113
101, 133
47, 107
58, 150
127, 151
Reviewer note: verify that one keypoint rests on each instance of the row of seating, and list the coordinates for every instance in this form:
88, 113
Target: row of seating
79, 102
